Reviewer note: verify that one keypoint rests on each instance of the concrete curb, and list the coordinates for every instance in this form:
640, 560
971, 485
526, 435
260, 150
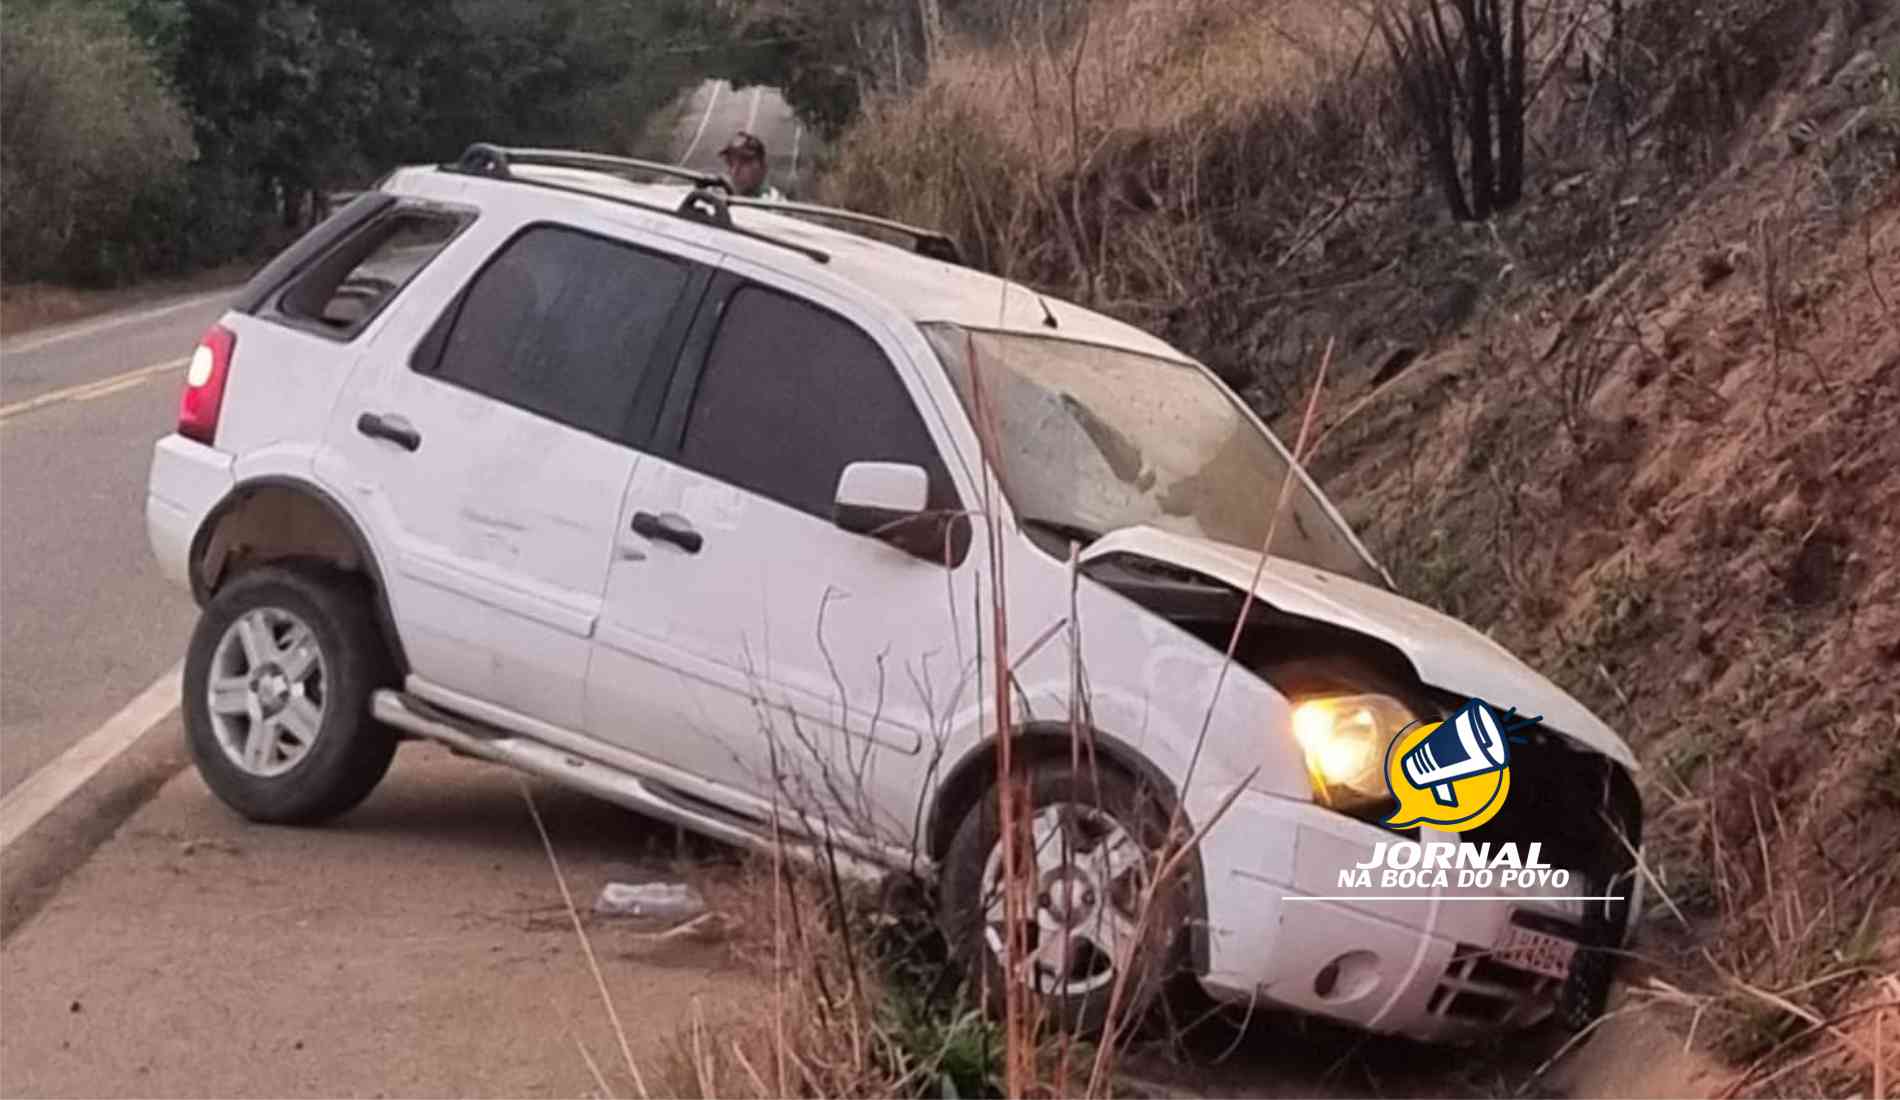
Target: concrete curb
34, 865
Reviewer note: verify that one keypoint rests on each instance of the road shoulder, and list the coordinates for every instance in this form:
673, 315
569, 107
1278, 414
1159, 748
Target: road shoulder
40, 309
33, 867
418, 946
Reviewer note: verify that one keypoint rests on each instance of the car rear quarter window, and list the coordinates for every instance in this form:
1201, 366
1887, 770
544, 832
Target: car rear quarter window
343, 290
792, 394
562, 324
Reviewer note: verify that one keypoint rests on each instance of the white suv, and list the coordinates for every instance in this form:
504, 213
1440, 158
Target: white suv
710, 510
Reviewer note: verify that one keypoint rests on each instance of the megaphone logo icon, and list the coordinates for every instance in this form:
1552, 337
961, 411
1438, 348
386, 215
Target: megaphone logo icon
1455, 774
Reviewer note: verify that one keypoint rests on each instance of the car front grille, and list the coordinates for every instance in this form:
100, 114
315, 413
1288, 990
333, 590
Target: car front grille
1480, 988
1585, 811
1581, 806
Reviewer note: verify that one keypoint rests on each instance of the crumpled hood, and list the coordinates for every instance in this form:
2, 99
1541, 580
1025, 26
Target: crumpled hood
1447, 654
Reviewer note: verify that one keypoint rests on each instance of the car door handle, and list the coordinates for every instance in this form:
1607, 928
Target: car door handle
668, 529
389, 426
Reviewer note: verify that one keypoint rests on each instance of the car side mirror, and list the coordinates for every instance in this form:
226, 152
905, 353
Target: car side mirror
875, 498
890, 501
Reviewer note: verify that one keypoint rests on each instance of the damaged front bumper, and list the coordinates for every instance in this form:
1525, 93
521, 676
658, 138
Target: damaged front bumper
1435, 963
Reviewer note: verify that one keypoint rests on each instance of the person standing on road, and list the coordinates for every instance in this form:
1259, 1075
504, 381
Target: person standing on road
746, 166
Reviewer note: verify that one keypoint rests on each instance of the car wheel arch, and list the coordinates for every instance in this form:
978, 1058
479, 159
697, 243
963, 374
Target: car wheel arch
964, 784
286, 518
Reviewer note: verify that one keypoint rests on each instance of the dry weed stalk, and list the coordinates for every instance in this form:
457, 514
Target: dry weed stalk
1748, 1076
587, 946
1867, 259
1019, 1028
1116, 1024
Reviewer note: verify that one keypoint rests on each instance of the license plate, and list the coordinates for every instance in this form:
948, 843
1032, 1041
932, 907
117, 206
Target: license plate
1537, 952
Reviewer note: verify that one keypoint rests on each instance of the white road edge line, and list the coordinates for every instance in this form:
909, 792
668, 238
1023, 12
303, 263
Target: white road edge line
711, 102
42, 792
96, 388
88, 328
752, 119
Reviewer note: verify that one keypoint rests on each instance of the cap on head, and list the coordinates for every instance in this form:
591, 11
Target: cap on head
743, 146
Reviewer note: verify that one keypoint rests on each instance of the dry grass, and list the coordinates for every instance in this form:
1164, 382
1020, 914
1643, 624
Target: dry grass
1638, 432
1694, 557
1696, 562
1101, 163
1159, 66
824, 1034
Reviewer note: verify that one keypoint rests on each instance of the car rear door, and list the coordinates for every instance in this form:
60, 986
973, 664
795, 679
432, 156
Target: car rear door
490, 436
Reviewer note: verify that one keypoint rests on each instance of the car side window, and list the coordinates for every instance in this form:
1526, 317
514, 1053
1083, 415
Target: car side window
345, 289
791, 395
561, 323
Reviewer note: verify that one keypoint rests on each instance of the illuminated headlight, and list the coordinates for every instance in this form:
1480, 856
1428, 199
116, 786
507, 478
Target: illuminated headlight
1344, 739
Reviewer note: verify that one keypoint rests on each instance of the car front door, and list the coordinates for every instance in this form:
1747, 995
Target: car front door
490, 438
746, 637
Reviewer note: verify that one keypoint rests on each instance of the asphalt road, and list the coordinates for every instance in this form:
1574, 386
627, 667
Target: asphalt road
707, 118
86, 624
85, 621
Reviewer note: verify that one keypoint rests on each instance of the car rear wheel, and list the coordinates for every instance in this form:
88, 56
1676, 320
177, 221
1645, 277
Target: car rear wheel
1094, 845
277, 688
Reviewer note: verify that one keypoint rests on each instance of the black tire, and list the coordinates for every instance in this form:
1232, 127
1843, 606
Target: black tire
350, 751
1160, 951
1585, 994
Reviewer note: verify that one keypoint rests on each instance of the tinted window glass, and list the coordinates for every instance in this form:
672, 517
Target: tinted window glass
352, 284
791, 395
563, 324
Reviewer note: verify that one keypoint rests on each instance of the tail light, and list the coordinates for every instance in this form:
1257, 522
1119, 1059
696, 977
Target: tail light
204, 385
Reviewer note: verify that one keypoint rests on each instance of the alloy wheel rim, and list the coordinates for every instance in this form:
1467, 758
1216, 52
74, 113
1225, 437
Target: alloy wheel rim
1085, 889
266, 692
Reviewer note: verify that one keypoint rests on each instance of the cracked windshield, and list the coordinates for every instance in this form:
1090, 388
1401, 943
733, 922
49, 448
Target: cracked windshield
1095, 439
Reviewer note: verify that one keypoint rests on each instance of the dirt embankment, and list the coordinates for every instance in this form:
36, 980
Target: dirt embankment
1703, 551
1644, 427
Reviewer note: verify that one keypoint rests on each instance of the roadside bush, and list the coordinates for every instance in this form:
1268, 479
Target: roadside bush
90, 137
863, 1004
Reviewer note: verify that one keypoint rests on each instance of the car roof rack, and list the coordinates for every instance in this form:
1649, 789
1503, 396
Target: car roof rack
708, 204
927, 242
603, 162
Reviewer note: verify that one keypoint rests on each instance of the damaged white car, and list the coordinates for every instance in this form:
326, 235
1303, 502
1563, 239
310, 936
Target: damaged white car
698, 506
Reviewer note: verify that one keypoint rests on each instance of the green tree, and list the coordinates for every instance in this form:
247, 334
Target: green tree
284, 100
87, 123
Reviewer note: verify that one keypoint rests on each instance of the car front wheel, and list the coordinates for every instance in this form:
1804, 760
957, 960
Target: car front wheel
277, 690
1094, 845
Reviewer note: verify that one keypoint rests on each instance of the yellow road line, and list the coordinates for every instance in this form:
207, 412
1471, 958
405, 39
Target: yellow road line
90, 390
115, 387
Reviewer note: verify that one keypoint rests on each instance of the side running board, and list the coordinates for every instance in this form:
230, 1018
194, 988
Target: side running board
604, 781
